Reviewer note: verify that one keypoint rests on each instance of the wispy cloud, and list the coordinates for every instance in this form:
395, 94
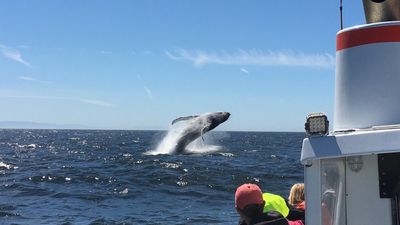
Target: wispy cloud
96, 102
32, 79
23, 46
244, 70
32, 97
105, 52
254, 57
43, 97
147, 52
13, 55
26, 78
148, 92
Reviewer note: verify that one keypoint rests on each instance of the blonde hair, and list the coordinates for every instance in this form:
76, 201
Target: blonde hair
296, 195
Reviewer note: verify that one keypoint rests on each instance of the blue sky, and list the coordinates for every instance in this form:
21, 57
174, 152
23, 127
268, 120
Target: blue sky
141, 64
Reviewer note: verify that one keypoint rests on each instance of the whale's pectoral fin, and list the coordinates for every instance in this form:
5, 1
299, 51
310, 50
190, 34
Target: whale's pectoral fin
202, 132
183, 118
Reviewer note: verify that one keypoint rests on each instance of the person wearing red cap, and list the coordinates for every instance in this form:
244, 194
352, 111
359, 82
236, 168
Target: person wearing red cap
249, 204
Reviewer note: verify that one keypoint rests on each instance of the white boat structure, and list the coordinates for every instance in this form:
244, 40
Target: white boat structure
352, 174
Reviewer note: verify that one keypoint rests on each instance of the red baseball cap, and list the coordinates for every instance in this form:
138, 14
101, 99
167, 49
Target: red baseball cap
248, 194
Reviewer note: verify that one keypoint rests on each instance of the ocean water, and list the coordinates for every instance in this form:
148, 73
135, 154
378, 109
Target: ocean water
116, 177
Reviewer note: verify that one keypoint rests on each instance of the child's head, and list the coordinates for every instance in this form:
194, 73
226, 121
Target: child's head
296, 195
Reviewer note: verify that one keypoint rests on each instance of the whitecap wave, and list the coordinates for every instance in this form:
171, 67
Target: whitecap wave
29, 146
5, 166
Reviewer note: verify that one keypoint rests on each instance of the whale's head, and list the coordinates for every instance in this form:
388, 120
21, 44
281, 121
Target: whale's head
217, 118
222, 116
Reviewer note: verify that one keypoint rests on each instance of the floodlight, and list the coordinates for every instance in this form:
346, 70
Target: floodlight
317, 124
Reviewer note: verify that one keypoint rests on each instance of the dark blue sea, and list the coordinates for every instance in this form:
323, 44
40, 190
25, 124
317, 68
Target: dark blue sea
115, 177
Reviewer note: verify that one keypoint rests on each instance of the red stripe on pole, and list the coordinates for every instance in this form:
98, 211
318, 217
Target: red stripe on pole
364, 36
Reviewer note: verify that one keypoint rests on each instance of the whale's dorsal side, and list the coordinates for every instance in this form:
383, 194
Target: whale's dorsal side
184, 118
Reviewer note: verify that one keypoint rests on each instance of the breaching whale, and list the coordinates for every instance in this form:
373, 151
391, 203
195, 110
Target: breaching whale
197, 126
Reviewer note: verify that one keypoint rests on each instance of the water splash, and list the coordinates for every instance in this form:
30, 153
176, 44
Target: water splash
203, 147
177, 131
